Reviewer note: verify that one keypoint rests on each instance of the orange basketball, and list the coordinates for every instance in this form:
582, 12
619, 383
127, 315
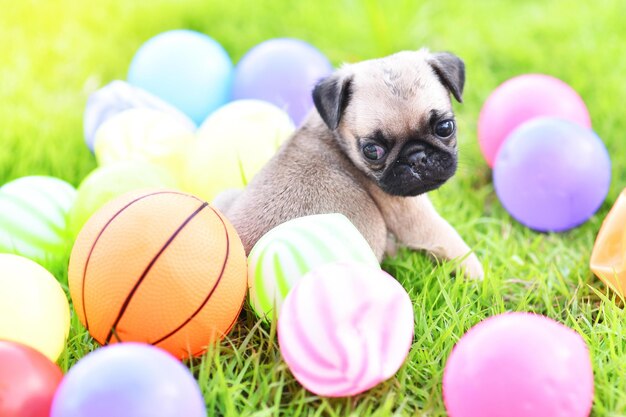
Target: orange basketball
159, 267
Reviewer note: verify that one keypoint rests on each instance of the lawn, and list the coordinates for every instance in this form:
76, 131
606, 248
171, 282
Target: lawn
55, 52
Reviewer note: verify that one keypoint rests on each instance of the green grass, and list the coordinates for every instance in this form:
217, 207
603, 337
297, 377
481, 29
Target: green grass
54, 53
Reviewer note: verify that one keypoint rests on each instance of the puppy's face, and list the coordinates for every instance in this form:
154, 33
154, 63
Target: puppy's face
393, 118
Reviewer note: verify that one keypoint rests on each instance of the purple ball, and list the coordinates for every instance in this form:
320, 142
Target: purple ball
551, 174
283, 72
128, 380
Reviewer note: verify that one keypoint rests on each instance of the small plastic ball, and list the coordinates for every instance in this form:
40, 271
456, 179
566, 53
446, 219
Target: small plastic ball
128, 380
33, 217
283, 72
158, 266
187, 69
523, 98
28, 381
144, 135
33, 307
519, 365
552, 175
287, 252
344, 328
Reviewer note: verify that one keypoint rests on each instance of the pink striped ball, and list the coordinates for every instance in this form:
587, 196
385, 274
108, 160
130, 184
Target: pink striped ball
344, 328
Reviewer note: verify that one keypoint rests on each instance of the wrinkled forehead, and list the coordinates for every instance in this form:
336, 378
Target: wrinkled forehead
398, 95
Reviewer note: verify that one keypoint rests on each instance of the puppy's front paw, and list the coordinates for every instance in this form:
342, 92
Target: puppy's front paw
472, 268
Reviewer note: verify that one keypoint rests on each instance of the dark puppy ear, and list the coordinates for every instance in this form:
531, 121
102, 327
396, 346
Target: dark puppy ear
451, 72
331, 95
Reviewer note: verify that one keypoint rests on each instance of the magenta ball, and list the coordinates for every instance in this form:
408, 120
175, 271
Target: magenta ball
128, 380
520, 99
552, 175
519, 365
283, 72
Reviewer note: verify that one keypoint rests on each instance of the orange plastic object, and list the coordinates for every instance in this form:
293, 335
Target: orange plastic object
158, 267
608, 259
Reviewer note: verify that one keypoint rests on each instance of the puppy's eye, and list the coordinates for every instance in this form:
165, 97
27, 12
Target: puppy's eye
373, 152
444, 129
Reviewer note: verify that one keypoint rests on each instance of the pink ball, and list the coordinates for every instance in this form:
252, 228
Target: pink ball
519, 365
344, 328
520, 99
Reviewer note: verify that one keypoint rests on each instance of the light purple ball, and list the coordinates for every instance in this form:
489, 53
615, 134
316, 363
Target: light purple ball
551, 174
283, 72
128, 380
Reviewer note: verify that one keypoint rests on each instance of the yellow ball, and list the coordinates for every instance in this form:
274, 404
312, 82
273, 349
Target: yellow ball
142, 134
233, 144
33, 308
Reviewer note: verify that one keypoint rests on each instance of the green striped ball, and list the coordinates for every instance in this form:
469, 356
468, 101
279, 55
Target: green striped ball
33, 217
287, 252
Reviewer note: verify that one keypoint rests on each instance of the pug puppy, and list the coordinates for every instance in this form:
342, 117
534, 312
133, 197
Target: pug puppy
381, 136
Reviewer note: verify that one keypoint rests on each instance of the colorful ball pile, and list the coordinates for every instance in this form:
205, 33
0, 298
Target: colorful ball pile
182, 79
551, 171
344, 325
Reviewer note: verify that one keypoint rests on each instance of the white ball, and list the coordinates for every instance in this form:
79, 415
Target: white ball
118, 96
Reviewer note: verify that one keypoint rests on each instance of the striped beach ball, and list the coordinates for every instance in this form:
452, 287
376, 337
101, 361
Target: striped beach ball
33, 217
289, 251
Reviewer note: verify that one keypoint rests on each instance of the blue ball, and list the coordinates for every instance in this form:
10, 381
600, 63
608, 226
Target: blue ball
185, 68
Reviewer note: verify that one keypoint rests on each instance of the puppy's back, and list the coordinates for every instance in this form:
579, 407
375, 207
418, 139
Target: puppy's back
309, 175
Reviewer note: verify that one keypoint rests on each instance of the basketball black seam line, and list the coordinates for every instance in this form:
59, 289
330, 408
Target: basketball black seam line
93, 246
232, 324
208, 297
132, 292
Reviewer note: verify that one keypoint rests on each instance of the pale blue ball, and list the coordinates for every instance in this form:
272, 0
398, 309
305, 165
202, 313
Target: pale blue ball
187, 69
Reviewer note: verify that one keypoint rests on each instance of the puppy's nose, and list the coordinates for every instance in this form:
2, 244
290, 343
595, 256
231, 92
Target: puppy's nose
417, 158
